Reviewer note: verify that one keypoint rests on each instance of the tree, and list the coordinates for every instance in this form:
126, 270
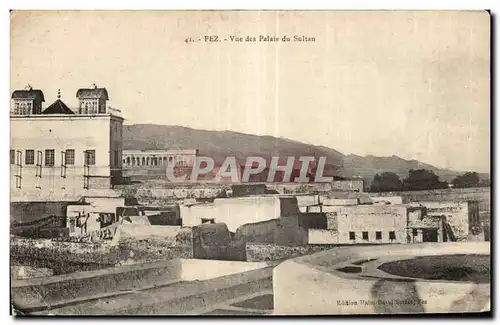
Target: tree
469, 179
386, 182
486, 182
422, 179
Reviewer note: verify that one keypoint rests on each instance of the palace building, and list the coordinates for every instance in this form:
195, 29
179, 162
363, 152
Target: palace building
57, 152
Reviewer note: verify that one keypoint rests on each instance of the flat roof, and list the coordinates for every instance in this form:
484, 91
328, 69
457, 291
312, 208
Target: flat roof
64, 116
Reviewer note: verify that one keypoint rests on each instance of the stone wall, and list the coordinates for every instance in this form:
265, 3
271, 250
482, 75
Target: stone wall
257, 252
291, 188
281, 231
214, 241
147, 192
66, 257
387, 199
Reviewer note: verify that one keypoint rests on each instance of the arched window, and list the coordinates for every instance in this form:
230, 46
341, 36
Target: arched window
147, 161
143, 161
128, 161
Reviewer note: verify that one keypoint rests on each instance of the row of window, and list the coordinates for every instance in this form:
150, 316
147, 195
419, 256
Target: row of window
151, 161
92, 107
68, 156
25, 108
378, 235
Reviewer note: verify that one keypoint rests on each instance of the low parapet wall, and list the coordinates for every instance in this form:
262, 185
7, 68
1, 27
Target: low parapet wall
119, 284
38, 293
201, 269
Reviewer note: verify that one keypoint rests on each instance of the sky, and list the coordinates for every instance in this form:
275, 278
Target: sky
411, 84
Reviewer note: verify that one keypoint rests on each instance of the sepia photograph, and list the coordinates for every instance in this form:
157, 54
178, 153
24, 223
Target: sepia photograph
250, 163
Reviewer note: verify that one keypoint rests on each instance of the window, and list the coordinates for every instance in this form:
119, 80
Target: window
12, 157
352, 235
365, 235
117, 158
378, 235
392, 235
50, 157
90, 157
69, 157
30, 157
415, 232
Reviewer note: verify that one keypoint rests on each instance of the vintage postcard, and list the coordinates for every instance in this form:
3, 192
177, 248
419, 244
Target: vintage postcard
250, 162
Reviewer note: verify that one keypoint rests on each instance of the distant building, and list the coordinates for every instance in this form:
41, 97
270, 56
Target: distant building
379, 224
355, 185
159, 158
462, 216
59, 153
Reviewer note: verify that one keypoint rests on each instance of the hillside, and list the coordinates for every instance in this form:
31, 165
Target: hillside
219, 144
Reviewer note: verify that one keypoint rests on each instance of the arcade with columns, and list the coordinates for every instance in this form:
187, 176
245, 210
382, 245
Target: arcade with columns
158, 158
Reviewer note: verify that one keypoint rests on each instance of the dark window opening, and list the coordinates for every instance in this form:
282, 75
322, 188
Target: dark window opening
90, 157
12, 157
50, 157
365, 235
69, 157
30, 157
430, 236
415, 232
392, 235
378, 235
352, 235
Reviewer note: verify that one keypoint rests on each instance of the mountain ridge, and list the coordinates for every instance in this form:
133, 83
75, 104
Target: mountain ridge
220, 144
